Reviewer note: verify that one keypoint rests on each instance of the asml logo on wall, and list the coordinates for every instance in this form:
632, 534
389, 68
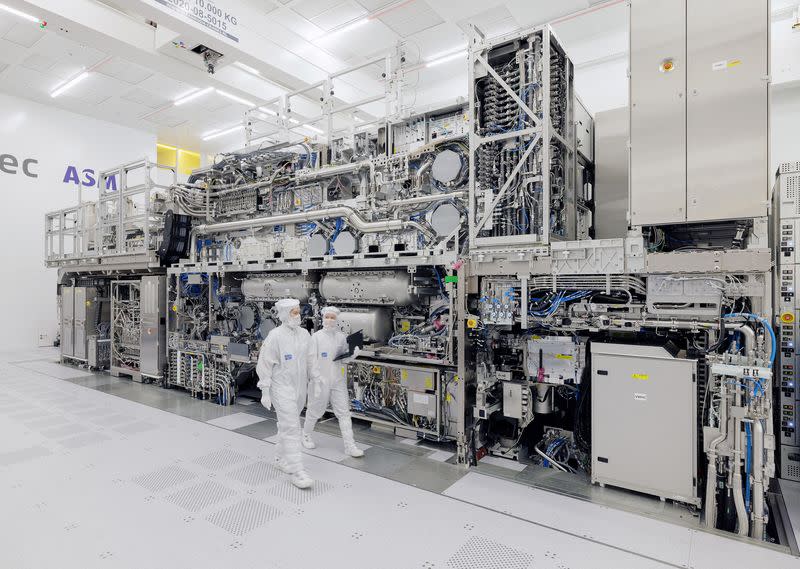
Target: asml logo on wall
10, 164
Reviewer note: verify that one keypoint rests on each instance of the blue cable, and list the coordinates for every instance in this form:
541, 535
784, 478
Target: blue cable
747, 465
767, 326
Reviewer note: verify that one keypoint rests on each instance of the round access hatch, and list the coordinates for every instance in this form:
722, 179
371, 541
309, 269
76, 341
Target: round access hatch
247, 317
444, 219
317, 245
265, 325
446, 166
345, 244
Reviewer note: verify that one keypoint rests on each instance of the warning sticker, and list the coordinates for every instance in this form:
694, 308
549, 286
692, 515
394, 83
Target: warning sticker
640, 376
725, 64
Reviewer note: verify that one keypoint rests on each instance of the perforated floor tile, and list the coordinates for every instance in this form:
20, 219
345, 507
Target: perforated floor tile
164, 478
220, 459
200, 496
481, 553
255, 474
243, 517
289, 492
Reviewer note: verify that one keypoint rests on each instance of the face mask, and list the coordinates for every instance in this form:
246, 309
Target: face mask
293, 321
329, 324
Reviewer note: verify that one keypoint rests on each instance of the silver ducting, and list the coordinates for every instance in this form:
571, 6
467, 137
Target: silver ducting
277, 286
352, 217
376, 323
390, 288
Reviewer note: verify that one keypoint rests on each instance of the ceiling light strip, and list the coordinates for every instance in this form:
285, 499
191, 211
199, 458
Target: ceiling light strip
223, 132
192, 96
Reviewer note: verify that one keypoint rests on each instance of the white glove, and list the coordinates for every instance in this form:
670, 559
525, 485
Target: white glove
265, 400
349, 359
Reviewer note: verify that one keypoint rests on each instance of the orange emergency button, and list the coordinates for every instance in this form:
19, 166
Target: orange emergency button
787, 317
667, 65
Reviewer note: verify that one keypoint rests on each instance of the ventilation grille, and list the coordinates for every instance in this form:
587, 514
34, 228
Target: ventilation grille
164, 478
243, 517
791, 191
482, 553
287, 491
255, 474
220, 459
200, 496
788, 167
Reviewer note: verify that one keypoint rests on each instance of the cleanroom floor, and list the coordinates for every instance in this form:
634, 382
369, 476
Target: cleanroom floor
96, 471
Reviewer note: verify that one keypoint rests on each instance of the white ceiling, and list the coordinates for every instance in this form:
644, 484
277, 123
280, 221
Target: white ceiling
136, 86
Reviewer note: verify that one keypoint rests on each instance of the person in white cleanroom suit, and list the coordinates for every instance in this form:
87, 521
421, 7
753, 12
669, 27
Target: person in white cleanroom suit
286, 363
330, 342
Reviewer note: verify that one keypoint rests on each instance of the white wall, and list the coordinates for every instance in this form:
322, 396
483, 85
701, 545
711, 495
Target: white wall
785, 125
56, 139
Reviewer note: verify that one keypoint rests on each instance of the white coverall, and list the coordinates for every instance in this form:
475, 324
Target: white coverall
285, 365
331, 385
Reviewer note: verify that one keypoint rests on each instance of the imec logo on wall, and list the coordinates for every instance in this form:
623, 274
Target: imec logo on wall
10, 164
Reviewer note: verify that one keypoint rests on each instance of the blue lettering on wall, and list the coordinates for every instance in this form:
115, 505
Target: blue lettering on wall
71, 175
89, 180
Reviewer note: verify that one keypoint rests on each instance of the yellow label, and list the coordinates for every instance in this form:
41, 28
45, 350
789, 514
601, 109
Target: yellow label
472, 323
428, 383
403, 374
448, 398
174, 308
298, 202
642, 376
405, 325
536, 337
376, 369
734, 62
343, 371
563, 357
